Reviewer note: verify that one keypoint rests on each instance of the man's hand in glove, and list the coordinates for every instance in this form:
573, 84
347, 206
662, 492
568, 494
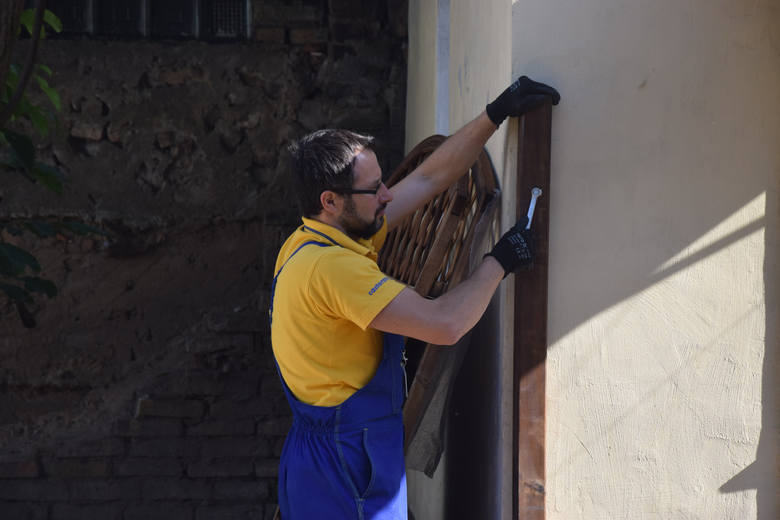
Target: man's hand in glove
514, 249
521, 96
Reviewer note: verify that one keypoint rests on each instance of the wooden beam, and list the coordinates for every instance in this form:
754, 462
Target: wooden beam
530, 328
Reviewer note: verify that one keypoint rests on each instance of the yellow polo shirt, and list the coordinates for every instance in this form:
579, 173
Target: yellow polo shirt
324, 300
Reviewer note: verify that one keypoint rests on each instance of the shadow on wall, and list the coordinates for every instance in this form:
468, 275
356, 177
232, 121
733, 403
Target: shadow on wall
766, 463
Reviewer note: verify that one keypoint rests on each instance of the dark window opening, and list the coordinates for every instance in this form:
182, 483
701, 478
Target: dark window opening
156, 19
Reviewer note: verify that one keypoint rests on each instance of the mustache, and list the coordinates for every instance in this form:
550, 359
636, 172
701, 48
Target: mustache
381, 208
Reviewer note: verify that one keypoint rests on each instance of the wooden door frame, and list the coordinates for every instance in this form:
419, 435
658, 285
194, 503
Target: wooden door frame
530, 321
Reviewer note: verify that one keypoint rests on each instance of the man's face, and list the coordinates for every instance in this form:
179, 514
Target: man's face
363, 213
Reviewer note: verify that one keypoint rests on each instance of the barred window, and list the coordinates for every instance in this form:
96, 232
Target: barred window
154, 19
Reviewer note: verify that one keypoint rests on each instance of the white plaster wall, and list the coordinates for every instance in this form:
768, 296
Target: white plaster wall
662, 370
421, 72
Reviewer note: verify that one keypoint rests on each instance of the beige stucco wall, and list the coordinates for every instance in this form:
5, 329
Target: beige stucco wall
662, 370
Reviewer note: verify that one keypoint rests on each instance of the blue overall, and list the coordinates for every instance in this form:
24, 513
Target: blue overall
347, 461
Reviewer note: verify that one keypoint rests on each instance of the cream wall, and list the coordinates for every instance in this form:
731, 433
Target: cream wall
421, 72
662, 370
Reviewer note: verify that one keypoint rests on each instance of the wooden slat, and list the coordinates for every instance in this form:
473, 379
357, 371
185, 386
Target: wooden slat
530, 328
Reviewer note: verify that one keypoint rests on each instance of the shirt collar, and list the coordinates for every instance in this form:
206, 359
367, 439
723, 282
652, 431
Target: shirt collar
362, 246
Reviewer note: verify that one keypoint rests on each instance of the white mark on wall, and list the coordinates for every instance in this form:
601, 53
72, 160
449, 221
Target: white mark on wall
443, 68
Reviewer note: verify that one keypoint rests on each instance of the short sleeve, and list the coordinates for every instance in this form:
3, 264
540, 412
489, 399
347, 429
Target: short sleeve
344, 284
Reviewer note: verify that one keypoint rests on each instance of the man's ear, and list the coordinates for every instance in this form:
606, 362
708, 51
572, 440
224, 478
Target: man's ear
331, 202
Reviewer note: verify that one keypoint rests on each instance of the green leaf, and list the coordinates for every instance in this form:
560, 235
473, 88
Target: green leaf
22, 148
28, 320
39, 120
40, 285
83, 229
44, 68
40, 228
49, 176
52, 94
16, 293
52, 21
12, 78
27, 19
17, 259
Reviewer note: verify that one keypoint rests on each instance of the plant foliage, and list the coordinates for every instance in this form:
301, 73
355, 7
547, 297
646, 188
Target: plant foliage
20, 270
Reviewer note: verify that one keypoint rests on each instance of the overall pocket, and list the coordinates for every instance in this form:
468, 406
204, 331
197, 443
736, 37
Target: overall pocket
357, 463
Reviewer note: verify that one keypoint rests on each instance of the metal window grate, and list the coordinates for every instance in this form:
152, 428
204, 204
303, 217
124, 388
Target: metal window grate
209, 19
224, 19
173, 19
76, 15
120, 18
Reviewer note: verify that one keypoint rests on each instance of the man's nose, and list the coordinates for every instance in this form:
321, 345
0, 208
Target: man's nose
385, 195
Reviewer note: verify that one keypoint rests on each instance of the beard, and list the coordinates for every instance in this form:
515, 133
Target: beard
355, 226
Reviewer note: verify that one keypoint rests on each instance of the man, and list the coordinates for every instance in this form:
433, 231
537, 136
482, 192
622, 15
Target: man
337, 321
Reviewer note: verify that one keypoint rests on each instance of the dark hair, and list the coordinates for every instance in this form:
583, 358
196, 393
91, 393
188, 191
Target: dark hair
324, 160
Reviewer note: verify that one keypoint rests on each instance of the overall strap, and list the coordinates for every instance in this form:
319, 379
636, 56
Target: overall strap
307, 228
273, 284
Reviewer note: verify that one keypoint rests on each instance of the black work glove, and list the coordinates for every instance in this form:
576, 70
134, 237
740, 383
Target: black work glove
514, 249
521, 96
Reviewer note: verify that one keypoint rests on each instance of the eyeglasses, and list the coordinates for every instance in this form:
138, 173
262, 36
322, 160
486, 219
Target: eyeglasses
352, 191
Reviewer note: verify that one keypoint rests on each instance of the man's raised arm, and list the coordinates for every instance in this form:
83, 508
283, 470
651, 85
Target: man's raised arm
455, 155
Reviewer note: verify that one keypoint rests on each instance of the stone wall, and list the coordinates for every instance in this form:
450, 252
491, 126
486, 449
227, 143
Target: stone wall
147, 389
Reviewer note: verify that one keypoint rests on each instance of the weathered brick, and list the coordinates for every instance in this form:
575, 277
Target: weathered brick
222, 428
88, 131
276, 446
253, 407
227, 489
288, 13
220, 341
267, 468
203, 384
73, 467
242, 320
151, 427
148, 407
243, 385
175, 489
86, 512
105, 490
24, 468
308, 35
232, 512
23, 511
166, 447
352, 8
268, 34
233, 467
234, 447
164, 511
108, 447
274, 426
34, 490
149, 466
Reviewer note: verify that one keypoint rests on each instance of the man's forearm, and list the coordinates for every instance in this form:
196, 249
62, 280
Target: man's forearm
444, 320
465, 304
457, 153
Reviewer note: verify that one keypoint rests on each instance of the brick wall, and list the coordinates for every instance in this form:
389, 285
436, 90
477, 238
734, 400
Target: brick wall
148, 390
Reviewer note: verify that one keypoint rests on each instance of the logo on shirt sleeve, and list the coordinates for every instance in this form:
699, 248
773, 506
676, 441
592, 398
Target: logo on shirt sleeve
377, 286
